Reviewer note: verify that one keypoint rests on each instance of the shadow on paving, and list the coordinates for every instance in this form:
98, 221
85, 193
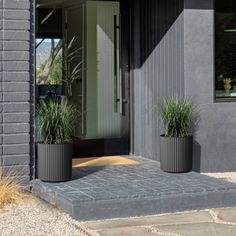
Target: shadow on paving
81, 172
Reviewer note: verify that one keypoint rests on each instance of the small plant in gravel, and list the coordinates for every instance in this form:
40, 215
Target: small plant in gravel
10, 188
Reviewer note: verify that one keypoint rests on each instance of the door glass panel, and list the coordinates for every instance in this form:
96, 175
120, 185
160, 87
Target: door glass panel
94, 56
97, 93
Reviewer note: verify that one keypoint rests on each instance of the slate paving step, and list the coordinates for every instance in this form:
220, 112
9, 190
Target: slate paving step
145, 190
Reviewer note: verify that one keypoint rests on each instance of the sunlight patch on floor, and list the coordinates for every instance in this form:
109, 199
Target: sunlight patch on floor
227, 176
103, 161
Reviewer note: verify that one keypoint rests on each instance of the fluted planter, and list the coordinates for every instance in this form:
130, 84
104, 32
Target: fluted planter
55, 162
176, 154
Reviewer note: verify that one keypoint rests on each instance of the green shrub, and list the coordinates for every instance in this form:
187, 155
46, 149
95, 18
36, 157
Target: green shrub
56, 121
178, 116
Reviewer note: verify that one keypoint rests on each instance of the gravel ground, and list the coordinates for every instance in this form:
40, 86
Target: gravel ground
227, 176
36, 218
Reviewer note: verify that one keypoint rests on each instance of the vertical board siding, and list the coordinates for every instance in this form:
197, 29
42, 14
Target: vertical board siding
15, 85
160, 70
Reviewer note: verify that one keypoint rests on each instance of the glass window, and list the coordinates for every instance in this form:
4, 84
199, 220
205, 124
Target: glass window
225, 49
49, 52
49, 61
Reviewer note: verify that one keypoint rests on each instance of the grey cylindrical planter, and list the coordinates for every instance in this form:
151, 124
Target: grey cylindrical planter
176, 154
55, 162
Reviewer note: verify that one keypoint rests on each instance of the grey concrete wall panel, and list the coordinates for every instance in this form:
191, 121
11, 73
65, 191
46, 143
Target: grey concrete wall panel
159, 72
214, 146
15, 84
177, 58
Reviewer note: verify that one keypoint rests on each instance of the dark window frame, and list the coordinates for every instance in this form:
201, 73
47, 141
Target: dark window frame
215, 98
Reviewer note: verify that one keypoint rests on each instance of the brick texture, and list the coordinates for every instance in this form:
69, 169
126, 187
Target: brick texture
15, 85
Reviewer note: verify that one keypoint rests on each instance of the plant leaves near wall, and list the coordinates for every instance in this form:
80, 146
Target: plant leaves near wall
178, 116
57, 121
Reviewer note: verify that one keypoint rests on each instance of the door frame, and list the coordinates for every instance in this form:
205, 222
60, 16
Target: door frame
126, 66
127, 80
124, 143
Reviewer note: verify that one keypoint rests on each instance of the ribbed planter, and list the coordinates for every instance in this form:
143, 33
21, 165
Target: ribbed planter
176, 154
55, 162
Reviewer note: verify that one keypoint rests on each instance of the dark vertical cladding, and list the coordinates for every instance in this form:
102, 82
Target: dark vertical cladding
159, 70
156, 17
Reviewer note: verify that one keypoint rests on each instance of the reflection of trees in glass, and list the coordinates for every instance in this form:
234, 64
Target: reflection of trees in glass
51, 66
61, 67
55, 73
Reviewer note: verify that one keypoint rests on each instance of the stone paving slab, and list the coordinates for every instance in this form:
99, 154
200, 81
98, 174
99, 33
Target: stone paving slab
206, 223
206, 229
128, 231
227, 215
180, 218
142, 189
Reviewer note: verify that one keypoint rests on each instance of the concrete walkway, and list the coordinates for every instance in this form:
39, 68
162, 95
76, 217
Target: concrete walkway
214, 222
